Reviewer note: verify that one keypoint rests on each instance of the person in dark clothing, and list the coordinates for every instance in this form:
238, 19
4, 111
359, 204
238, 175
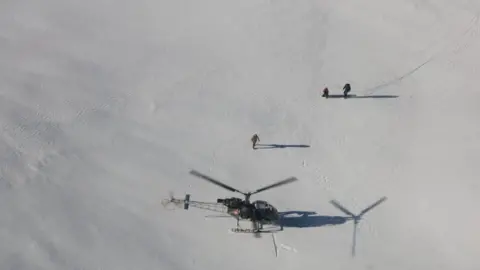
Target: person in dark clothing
346, 90
325, 92
254, 140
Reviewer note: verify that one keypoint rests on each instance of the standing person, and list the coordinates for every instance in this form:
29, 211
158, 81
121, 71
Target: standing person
325, 92
255, 139
346, 90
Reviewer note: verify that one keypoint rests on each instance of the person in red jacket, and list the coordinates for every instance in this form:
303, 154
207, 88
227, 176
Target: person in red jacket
325, 92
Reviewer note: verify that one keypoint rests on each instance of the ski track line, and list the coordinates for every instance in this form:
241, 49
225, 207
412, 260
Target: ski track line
471, 27
470, 34
451, 38
458, 46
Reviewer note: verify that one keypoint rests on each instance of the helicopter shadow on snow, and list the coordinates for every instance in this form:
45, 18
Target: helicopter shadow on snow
307, 219
274, 146
367, 96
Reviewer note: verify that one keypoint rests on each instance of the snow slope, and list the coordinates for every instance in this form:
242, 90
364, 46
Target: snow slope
106, 105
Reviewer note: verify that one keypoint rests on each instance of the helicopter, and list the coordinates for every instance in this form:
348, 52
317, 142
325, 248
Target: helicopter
258, 212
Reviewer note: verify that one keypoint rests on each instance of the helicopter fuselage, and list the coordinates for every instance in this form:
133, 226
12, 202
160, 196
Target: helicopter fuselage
259, 210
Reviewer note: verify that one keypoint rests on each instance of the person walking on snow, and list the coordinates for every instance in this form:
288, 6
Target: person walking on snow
325, 92
255, 139
346, 90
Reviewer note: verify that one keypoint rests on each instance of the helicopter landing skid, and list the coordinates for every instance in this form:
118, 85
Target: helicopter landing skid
268, 230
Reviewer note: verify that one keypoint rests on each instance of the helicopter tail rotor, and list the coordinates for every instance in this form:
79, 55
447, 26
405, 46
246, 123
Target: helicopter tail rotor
186, 202
171, 202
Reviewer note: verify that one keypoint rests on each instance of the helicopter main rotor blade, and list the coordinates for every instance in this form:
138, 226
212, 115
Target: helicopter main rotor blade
341, 208
216, 182
372, 206
277, 184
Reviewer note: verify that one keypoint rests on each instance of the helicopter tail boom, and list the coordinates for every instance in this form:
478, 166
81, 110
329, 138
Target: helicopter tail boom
187, 203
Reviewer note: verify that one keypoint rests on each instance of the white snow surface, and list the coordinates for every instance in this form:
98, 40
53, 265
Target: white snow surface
106, 105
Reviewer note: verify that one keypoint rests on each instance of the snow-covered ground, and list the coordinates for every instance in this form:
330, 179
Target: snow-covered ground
105, 106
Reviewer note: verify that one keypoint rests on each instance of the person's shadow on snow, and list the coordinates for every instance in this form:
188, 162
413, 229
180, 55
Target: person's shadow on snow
367, 96
274, 146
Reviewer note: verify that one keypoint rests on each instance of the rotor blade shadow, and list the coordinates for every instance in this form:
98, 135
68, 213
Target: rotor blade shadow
367, 96
273, 146
306, 219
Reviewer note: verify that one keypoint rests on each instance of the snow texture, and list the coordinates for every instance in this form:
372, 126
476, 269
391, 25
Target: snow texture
106, 105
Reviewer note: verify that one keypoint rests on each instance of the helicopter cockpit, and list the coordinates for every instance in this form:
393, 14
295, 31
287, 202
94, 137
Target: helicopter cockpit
262, 205
266, 210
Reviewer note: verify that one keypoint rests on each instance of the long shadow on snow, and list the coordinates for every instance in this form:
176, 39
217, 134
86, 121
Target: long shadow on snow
305, 219
273, 146
368, 96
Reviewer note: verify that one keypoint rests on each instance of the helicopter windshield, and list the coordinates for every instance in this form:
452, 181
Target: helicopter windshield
263, 205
